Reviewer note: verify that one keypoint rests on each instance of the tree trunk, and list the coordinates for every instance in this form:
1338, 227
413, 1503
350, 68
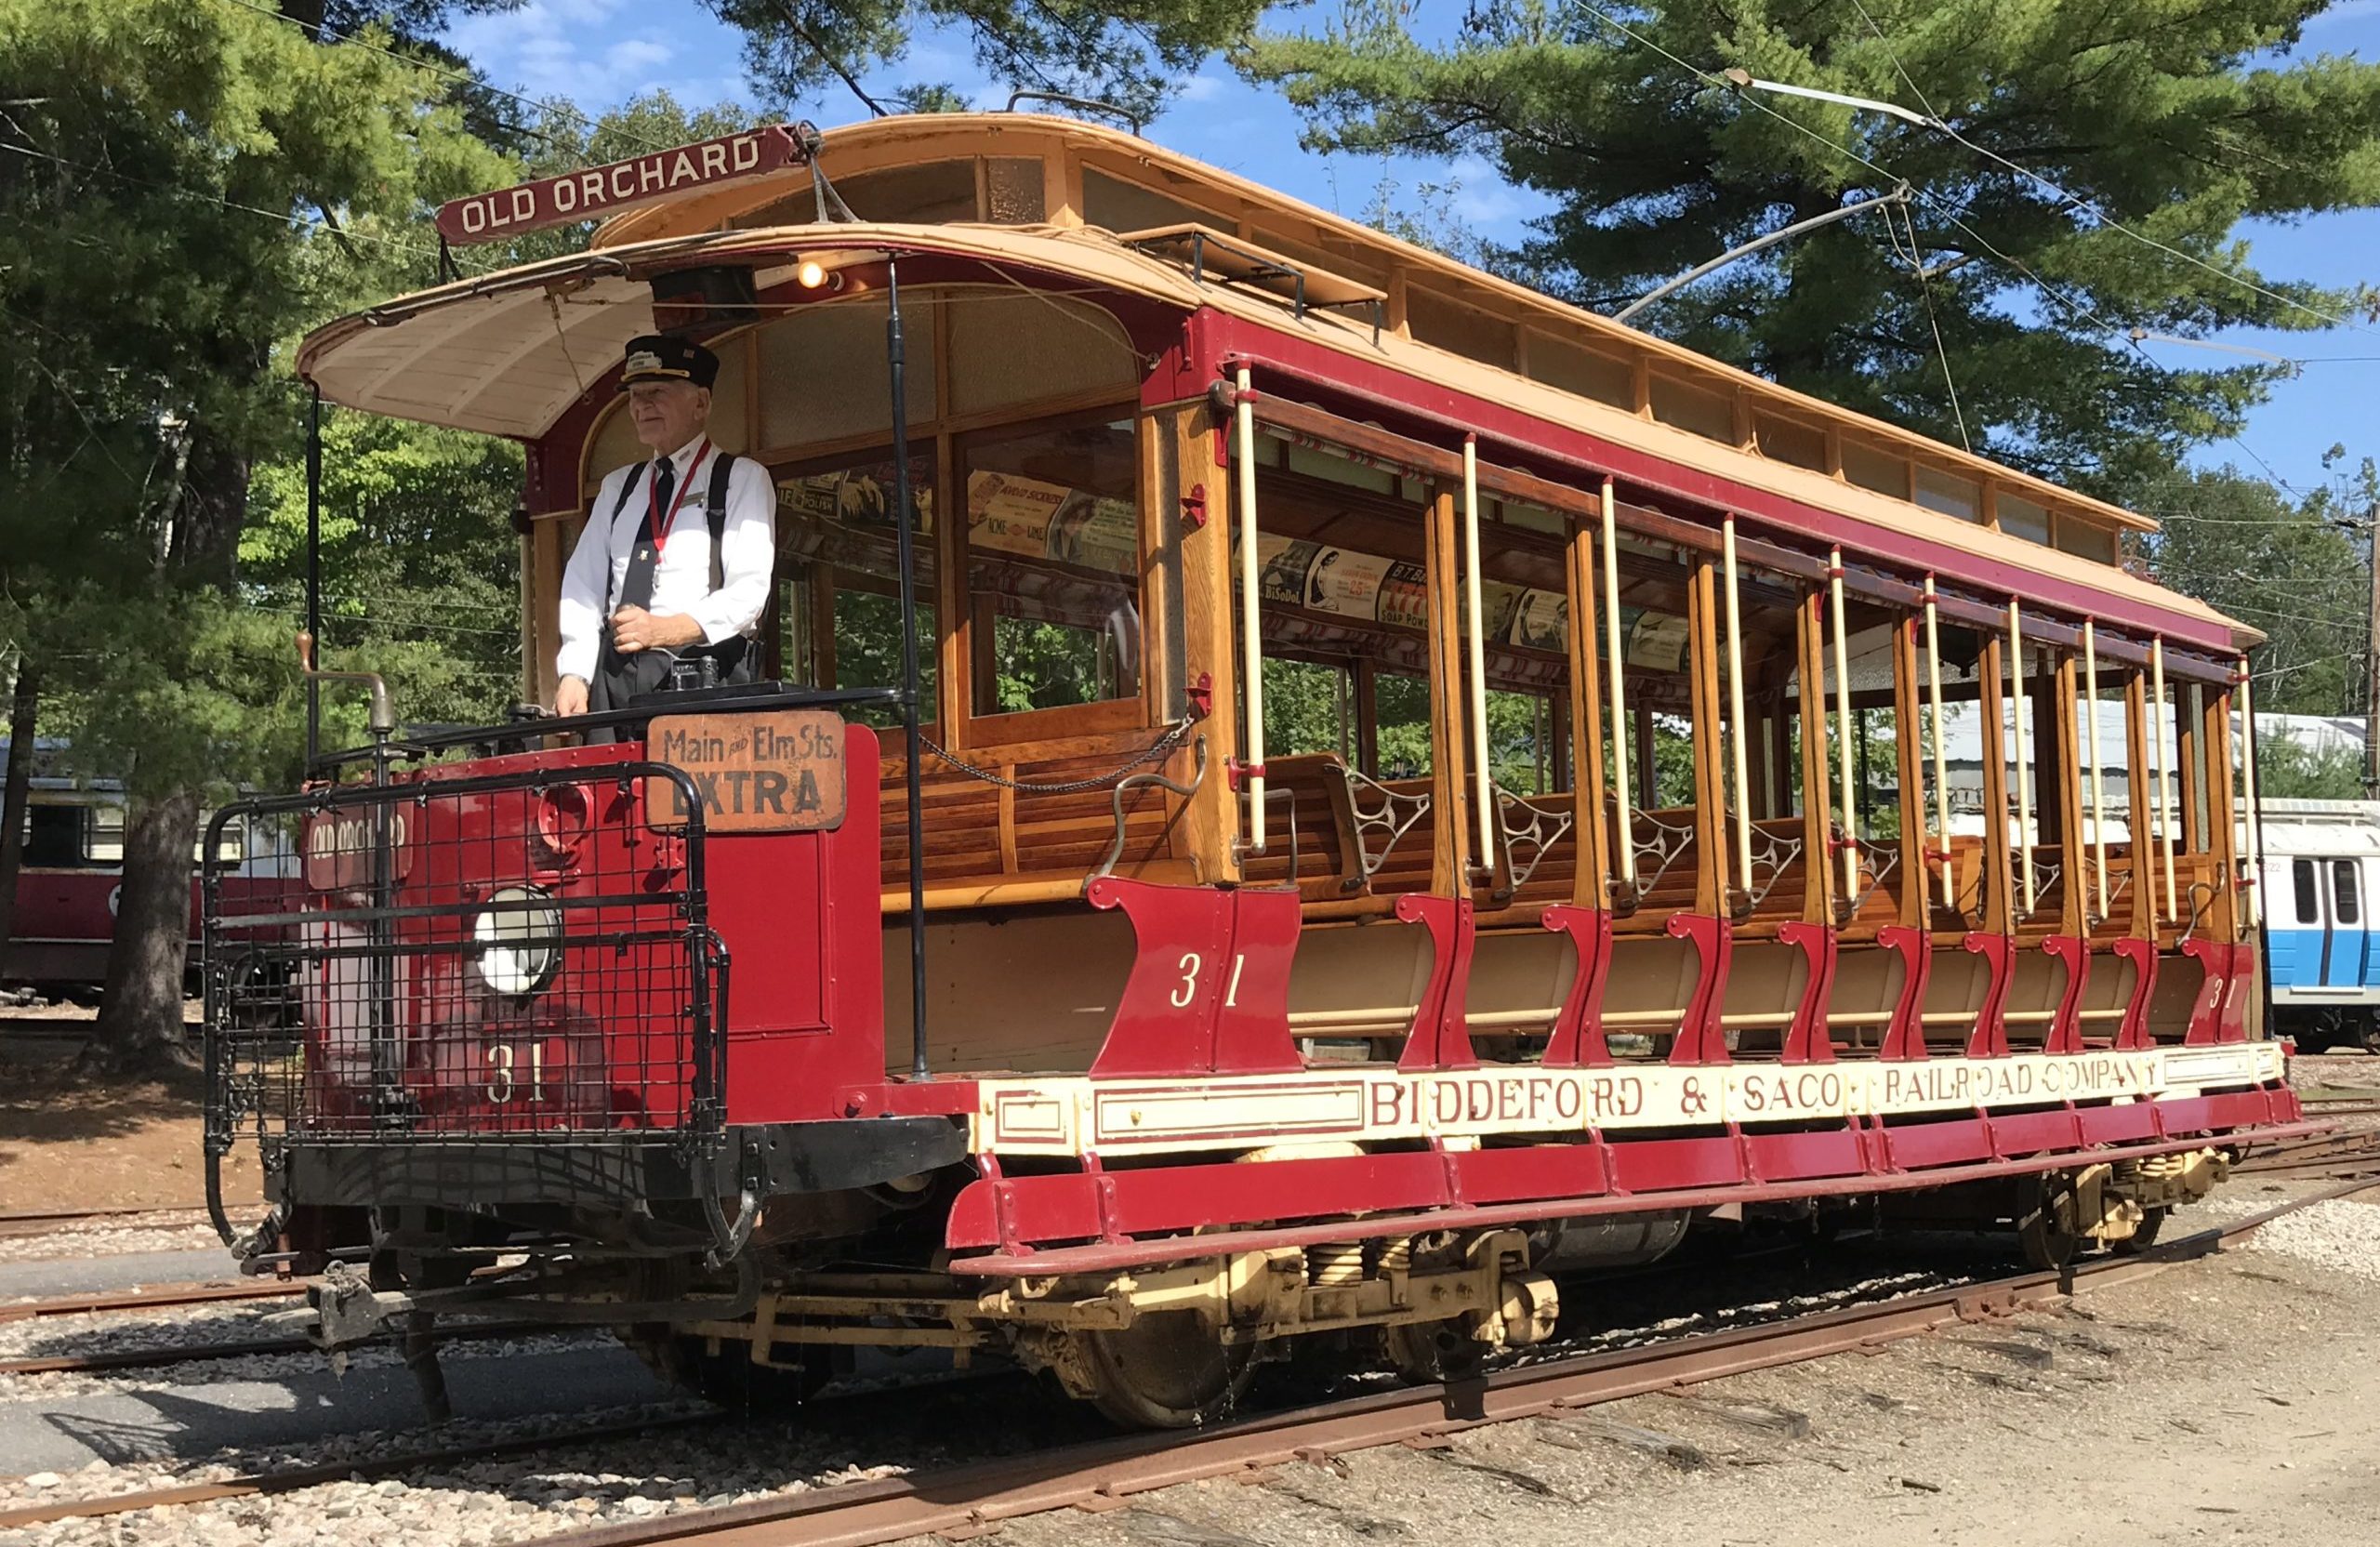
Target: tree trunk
14, 799
141, 1010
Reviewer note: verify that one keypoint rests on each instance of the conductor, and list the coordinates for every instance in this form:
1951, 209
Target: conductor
658, 595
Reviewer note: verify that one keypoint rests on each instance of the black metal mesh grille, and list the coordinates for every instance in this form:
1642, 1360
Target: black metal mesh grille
518, 956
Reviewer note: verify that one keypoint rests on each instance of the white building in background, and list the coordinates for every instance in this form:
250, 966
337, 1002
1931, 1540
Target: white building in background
1962, 754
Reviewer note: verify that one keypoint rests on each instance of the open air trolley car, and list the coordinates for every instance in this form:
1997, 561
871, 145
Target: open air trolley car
1420, 791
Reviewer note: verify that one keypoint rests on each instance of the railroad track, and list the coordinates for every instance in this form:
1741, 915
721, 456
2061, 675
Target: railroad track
153, 1297
2336, 1156
200, 1353
69, 1219
967, 1500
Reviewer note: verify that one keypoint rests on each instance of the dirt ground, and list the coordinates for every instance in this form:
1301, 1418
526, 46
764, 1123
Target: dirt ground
2225, 1401
68, 1143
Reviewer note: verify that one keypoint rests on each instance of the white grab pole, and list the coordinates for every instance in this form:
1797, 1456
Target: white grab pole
2158, 717
2024, 792
1941, 758
1736, 725
2248, 784
1483, 782
1843, 722
2099, 791
1251, 639
1619, 689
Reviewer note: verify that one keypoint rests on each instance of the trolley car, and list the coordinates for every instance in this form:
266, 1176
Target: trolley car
1417, 791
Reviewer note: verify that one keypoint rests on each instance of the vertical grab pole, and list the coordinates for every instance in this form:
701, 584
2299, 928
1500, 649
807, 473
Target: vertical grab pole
2164, 781
1941, 758
1483, 782
1619, 689
1252, 642
1736, 721
314, 568
2255, 846
905, 531
1843, 720
2023, 790
2099, 791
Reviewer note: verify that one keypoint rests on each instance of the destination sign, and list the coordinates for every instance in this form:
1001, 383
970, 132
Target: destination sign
337, 846
621, 186
778, 772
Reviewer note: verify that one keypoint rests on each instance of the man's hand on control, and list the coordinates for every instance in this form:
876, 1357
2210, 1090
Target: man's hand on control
633, 628
570, 696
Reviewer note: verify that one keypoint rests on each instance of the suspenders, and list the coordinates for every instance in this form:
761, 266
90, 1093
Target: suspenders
714, 511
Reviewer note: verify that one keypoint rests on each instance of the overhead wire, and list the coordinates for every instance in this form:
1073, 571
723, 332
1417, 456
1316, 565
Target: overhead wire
1937, 121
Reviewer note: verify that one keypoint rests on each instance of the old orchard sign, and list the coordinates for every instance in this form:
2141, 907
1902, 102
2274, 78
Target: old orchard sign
621, 186
781, 772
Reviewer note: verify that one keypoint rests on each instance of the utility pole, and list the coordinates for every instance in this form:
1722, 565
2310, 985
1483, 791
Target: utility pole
2372, 655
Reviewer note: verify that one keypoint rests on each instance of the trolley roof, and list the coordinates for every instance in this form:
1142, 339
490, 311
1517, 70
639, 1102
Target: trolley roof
513, 352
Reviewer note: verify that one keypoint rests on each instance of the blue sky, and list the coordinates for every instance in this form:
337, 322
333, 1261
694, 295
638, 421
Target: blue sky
600, 52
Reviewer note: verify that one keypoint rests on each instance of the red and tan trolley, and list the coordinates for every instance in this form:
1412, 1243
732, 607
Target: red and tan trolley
1424, 791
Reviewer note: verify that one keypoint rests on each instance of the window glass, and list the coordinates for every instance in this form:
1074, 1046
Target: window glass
2309, 907
1124, 207
2343, 882
1401, 710
1705, 413
1053, 563
2085, 539
2022, 518
1010, 346
823, 376
1458, 329
1014, 183
1603, 377
1871, 468
839, 612
52, 836
103, 840
1952, 496
230, 848
927, 194
1790, 441
1309, 707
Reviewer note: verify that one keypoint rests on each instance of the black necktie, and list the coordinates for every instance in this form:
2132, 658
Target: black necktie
636, 587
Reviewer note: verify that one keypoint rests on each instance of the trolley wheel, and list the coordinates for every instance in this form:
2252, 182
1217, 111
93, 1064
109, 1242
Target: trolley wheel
2144, 1235
1167, 1370
728, 1376
2047, 1245
1427, 1352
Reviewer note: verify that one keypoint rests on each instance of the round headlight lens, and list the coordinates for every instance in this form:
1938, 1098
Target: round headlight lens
520, 942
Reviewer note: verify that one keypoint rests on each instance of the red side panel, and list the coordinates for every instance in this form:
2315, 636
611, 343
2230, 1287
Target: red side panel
800, 917
1210, 988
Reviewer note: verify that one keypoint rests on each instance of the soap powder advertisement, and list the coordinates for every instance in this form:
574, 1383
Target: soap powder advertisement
1009, 514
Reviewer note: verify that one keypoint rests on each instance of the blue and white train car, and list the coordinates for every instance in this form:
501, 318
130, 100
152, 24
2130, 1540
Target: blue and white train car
2320, 884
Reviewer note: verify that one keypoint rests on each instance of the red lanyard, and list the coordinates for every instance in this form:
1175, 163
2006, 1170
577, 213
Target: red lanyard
652, 502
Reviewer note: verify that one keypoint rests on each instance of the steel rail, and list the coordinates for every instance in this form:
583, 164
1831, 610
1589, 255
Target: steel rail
191, 1354
154, 1297
966, 1500
64, 1219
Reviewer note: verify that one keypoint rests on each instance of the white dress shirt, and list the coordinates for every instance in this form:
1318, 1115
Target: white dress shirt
598, 565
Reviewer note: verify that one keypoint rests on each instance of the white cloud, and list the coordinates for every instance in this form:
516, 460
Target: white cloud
588, 50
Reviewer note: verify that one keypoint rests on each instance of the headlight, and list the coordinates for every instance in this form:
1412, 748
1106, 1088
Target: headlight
520, 946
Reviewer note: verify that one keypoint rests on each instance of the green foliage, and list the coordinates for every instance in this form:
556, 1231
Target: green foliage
2293, 570
2288, 769
190, 185
419, 562
1132, 53
2172, 119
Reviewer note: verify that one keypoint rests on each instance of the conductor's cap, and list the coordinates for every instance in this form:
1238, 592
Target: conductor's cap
659, 357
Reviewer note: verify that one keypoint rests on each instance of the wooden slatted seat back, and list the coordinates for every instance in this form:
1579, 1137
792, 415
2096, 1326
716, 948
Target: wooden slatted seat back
977, 830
